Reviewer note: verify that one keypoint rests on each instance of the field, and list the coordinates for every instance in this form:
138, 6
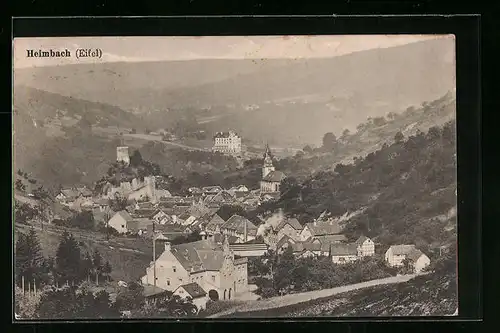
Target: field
128, 257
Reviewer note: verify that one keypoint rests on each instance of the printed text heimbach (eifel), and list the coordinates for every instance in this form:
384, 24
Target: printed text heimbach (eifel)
79, 53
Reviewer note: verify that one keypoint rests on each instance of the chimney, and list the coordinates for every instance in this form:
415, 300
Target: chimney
168, 246
245, 233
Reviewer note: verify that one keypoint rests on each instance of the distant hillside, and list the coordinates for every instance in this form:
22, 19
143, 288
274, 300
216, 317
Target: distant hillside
404, 192
133, 86
53, 135
256, 97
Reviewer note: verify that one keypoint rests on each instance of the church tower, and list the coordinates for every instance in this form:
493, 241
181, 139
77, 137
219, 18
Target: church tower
268, 162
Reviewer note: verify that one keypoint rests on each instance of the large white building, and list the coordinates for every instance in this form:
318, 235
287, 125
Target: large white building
227, 143
209, 264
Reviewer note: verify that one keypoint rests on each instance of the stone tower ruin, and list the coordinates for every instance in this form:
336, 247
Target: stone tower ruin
122, 155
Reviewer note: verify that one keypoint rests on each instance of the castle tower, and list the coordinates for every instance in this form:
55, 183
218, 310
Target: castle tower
122, 155
268, 162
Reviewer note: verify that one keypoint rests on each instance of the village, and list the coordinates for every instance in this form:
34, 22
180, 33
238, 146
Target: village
215, 266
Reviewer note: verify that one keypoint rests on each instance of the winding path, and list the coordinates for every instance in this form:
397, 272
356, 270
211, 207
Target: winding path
282, 301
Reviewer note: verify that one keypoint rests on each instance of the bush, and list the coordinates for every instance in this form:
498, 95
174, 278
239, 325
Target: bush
214, 307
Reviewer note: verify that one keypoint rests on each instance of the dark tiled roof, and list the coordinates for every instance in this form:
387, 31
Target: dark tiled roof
283, 240
222, 135
402, 249
219, 238
331, 239
344, 249
361, 240
293, 222
214, 189
194, 290
199, 256
274, 176
248, 247
237, 223
414, 254
143, 212
70, 193
320, 229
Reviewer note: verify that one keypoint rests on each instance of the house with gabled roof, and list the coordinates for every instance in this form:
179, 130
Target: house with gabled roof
290, 227
366, 247
210, 190
396, 254
214, 225
212, 266
240, 227
195, 292
315, 229
123, 222
343, 253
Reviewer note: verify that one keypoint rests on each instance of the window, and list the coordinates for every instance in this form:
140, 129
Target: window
123, 225
168, 282
180, 279
174, 269
213, 278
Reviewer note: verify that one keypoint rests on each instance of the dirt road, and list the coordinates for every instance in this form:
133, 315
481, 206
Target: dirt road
157, 138
281, 301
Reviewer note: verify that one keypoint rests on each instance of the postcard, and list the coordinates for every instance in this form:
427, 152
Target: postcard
235, 177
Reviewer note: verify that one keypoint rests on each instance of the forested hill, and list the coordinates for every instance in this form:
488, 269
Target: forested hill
402, 193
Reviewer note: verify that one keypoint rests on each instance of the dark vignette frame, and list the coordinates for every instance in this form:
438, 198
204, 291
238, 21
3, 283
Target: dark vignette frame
466, 29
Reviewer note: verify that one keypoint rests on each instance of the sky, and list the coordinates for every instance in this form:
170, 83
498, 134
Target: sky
140, 49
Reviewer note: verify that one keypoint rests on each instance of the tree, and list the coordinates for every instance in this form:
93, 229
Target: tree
379, 121
83, 220
68, 260
135, 159
399, 137
29, 262
97, 265
307, 149
130, 298
106, 270
76, 303
20, 186
87, 265
299, 154
329, 141
226, 211
117, 204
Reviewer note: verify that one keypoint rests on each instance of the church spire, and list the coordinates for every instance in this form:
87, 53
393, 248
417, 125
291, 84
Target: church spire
268, 162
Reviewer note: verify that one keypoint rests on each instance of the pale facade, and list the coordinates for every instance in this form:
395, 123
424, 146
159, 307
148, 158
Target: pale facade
396, 255
344, 258
305, 234
227, 143
209, 265
199, 301
122, 155
366, 247
421, 263
121, 222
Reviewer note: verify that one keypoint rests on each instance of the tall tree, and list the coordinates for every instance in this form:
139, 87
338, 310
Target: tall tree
29, 260
329, 141
68, 260
136, 159
97, 265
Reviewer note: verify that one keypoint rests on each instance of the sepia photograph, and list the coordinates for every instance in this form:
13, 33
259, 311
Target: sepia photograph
234, 177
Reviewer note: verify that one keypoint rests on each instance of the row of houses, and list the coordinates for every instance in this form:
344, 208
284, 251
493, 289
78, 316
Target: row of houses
323, 237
